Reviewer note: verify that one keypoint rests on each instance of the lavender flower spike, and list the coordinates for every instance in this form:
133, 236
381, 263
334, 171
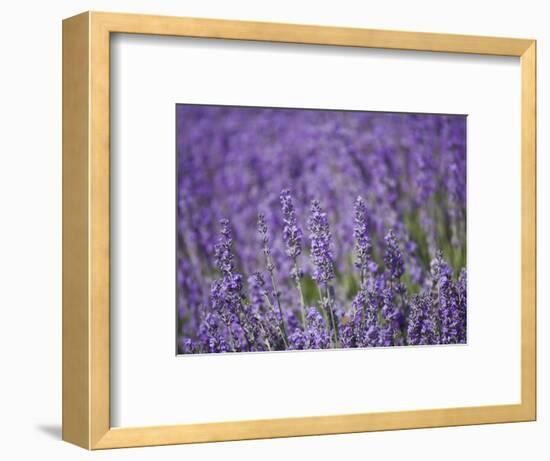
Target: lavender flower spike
421, 328
262, 229
321, 254
226, 294
450, 308
292, 236
223, 254
393, 259
363, 244
321, 245
264, 238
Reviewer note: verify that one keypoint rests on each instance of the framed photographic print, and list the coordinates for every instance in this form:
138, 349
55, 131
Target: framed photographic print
276, 230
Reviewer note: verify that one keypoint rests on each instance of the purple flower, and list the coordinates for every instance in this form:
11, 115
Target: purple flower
315, 336
393, 259
264, 239
317, 332
390, 313
265, 318
226, 294
421, 328
462, 306
322, 258
262, 229
187, 346
321, 245
362, 330
256, 283
363, 243
292, 234
213, 334
452, 310
223, 252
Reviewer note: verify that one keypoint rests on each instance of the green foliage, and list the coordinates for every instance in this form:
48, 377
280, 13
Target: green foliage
310, 290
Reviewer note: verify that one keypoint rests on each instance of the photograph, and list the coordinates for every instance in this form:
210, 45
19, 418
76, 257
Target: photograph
304, 229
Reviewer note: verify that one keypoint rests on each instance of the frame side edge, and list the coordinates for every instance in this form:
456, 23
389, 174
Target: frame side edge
528, 231
99, 225
76, 335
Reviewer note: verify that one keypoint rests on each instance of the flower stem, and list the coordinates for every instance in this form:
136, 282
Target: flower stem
231, 341
282, 328
266, 340
329, 307
302, 301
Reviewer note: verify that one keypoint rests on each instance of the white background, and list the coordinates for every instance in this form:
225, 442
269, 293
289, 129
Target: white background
30, 243
151, 386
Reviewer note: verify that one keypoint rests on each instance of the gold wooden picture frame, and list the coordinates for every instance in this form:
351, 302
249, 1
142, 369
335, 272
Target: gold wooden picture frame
86, 230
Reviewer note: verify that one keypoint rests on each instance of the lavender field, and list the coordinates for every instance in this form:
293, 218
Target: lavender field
312, 229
